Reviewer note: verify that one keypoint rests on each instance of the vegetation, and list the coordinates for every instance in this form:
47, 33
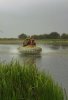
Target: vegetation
64, 36
52, 35
62, 42
26, 82
22, 36
52, 38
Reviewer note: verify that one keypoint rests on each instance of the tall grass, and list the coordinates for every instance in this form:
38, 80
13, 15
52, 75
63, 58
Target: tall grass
26, 82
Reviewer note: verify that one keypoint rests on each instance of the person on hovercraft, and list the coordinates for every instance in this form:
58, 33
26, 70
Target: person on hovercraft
29, 42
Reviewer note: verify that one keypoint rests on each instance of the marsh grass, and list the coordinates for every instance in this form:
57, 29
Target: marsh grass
26, 82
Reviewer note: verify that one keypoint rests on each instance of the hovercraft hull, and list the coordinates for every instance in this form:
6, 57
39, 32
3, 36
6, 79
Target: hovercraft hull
30, 50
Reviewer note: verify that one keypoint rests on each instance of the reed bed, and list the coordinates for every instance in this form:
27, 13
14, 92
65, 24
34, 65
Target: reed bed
26, 82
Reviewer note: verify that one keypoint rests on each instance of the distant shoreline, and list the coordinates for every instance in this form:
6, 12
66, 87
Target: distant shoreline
41, 41
11, 41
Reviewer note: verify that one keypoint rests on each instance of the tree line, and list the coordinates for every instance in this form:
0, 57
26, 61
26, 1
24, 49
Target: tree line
52, 35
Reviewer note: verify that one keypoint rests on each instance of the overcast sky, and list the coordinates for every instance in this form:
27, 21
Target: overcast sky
33, 17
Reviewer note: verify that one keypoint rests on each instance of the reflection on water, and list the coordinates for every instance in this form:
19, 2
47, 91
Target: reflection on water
54, 47
53, 59
28, 58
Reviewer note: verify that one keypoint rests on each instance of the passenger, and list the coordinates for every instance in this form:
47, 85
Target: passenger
33, 42
30, 42
25, 43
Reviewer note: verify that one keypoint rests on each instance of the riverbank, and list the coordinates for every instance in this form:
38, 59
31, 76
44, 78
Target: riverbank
54, 41
27, 82
47, 41
11, 41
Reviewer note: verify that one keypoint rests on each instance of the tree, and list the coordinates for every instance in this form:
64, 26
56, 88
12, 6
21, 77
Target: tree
64, 36
22, 36
54, 35
41, 36
35, 36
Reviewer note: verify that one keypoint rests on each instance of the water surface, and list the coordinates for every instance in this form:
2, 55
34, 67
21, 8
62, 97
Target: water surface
53, 59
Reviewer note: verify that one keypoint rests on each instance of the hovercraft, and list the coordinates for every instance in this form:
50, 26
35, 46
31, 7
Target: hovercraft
30, 50
29, 47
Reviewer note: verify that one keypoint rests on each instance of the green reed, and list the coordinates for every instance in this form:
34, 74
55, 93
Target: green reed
26, 82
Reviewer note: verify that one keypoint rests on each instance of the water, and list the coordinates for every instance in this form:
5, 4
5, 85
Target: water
53, 59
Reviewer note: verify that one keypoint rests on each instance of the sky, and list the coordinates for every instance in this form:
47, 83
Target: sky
33, 17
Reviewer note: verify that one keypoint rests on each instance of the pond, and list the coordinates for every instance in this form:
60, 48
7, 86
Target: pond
53, 60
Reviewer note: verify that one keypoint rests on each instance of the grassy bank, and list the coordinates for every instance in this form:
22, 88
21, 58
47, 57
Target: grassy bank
26, 82
54, 41
11, 41
43, 41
